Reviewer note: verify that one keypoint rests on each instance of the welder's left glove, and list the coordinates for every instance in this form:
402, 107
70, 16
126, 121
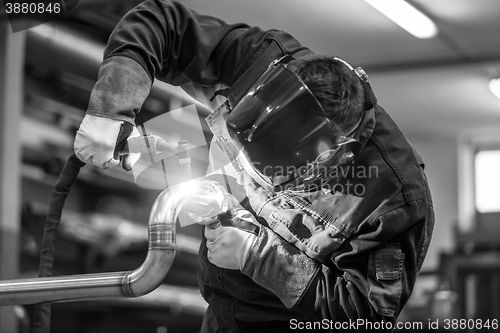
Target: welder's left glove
122, 87
99, 139
231, 237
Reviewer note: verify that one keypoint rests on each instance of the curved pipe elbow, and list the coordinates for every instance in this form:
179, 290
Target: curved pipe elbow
204, 199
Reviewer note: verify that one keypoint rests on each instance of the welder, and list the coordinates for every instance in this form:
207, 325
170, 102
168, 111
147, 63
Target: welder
334, 214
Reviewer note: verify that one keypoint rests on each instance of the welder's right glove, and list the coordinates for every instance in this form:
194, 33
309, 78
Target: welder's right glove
230, 241
121, 89
99, 141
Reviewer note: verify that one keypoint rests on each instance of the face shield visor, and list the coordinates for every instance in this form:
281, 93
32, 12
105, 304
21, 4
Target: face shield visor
282, 132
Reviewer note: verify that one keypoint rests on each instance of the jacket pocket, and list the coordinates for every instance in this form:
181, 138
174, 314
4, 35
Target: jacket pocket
385, 268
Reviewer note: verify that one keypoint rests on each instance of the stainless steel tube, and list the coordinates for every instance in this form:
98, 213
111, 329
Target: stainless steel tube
205, 199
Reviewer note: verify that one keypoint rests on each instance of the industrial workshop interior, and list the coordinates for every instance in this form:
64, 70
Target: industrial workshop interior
440, 84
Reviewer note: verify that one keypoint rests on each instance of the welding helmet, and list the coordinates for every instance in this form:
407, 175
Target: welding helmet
283, 136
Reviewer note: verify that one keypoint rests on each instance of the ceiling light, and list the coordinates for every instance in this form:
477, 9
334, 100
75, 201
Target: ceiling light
406, 16
495, 87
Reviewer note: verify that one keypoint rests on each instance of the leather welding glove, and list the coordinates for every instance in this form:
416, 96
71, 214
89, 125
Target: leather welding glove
230, 238
98, 142
121, 89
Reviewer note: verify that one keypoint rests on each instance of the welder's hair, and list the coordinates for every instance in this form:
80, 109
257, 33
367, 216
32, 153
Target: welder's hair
335, 86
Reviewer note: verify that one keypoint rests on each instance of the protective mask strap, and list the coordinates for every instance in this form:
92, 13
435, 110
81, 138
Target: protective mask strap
370, 99
282, 61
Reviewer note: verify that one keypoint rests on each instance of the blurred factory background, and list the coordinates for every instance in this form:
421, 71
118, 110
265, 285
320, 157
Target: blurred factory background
436, 88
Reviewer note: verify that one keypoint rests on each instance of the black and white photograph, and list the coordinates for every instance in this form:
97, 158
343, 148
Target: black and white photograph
217, 166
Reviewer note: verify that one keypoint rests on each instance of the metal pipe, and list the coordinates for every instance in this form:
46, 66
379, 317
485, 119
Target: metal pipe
203, 198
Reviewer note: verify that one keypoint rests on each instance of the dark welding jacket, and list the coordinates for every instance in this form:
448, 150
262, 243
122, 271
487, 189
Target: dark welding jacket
352, 251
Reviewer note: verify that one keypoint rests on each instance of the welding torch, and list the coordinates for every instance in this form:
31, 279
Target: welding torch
153, 144
149, 144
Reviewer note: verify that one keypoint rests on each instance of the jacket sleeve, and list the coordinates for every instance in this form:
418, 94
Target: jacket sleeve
175, 44
351, 284
163, 39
